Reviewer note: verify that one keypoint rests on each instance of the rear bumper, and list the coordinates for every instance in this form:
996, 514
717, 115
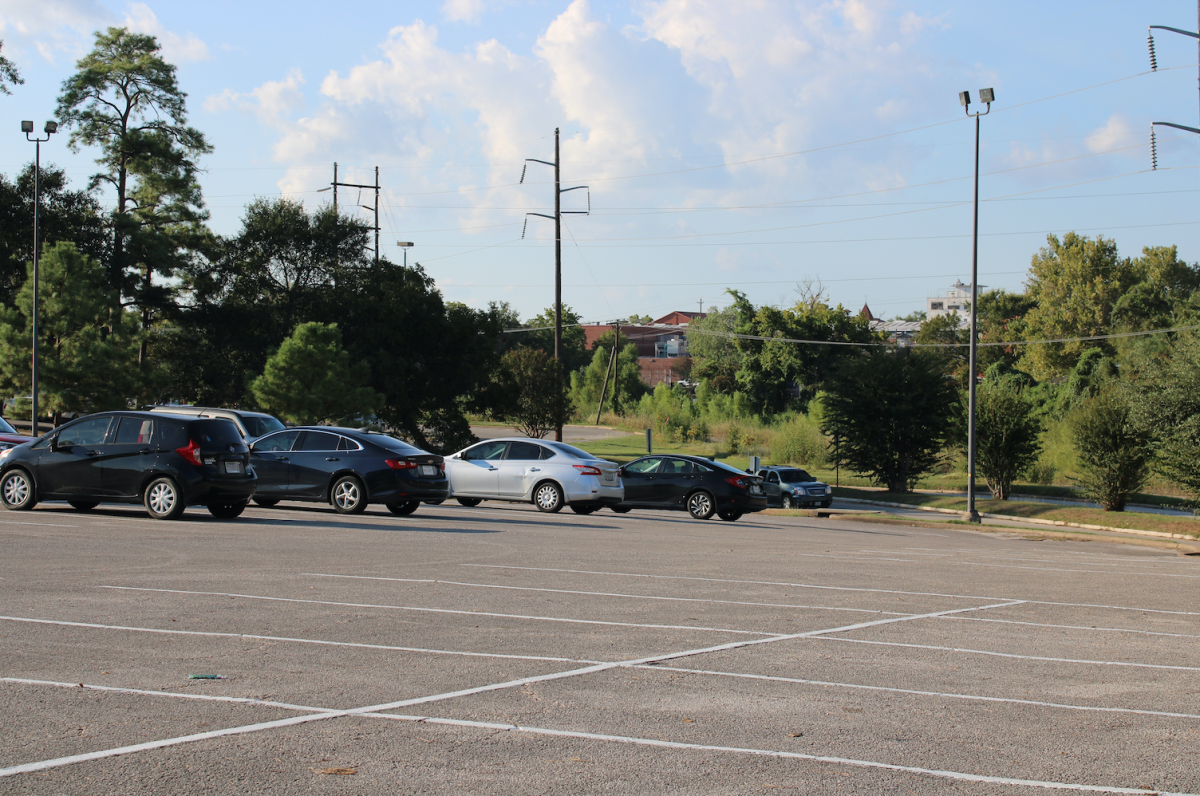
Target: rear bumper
402, 490
744, 503
204, 493
595, 493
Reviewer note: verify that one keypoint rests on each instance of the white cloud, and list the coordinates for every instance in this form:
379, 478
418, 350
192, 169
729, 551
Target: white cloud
1115, 134
176, 48
271, 103
462, 10
52, 26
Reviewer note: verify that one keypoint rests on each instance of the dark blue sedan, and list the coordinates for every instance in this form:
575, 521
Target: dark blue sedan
347, 468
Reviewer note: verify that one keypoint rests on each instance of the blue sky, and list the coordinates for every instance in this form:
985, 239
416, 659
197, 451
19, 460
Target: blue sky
744, 145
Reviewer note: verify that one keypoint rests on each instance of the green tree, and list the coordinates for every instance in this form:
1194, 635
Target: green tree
1165, 404
1000, 319
574, 340
125, 99
65, 215
951, 337
536, 404
1112, 449
1074, 284
87, 350
1007, 433
311, 379
711, 346
9, 74
625, 385
889, 410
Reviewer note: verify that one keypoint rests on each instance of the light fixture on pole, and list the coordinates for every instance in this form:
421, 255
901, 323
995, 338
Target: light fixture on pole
50, 129
406, 245
988, 96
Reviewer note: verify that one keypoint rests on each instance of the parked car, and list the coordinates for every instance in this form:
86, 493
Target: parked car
700, 486
789, 487
525, 470
347, 468
164, 462
252, 425
9, 438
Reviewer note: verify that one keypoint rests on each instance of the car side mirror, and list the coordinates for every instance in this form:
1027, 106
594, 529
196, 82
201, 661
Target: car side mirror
54, 444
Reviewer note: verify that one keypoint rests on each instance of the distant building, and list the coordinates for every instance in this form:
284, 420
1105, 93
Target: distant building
658, 342
957, 299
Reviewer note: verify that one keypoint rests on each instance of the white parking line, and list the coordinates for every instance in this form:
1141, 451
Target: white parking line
40, 524
446, 611
610, 594
938, 694
256, 637
167, 694
1019, 657
268, 725
1087, 571
834, 588
1080, 627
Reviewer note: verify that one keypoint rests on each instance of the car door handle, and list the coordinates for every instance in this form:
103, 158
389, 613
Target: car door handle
493, 468
93, 453
331, 458
535, 469
284, 458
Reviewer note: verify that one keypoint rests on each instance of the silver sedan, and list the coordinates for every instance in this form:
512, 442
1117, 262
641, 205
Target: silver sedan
548, 474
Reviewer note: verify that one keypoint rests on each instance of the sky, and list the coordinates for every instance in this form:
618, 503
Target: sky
725, 145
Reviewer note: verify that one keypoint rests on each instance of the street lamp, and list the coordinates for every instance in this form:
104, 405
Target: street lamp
50, 129
406, 245
986, 95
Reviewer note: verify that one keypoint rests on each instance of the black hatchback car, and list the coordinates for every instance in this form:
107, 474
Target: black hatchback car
345, 467
164, 462
692, 483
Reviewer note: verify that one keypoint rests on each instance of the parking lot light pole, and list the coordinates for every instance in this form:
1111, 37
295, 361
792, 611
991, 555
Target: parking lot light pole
986, 95
50, 129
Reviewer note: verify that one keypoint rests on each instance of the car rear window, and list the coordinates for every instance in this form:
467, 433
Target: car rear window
395, 445
257, 425
728, 467
216, 432
571, 450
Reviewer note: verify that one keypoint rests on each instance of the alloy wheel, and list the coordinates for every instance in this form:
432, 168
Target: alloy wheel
16, 490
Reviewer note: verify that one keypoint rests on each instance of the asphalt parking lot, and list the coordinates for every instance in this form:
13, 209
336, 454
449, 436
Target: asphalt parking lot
498, 650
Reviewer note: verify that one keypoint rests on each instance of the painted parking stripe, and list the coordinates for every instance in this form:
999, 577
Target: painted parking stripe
610, 594
443, 611
602, 667
256, 637
835, 588
1080, 627
1019, 657
166, 694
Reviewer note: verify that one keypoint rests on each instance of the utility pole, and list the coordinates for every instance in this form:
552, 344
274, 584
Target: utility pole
612, 361
1154, 68
557, 218
374, 187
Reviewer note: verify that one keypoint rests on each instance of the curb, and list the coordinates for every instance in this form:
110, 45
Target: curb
1035, 521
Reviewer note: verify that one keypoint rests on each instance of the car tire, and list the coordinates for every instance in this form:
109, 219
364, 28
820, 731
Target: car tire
621, 509
403, 509
730, 516
83, 505
548, 497
584, 510
785, 502
17, 491
226, 511
469, 502
266, 503
348, 495
701, 505
163, 500
437, 502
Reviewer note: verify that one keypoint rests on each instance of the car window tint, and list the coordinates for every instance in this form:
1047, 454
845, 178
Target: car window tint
345, 444
486, 451
726, 467
276, 443
216, 433
773, 478
393, 444
6, 428
319, 441
135, 431
795, 477
700, 468
257, 425
171, 434
570, 450
547, 453
676, 466
643, 465
524, 450
85, 432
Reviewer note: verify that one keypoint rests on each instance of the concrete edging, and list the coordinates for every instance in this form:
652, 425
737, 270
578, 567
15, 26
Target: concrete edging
1035, 521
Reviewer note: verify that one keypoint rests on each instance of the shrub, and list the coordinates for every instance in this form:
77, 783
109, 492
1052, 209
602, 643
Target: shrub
1112, 450
1006, 434
799, 441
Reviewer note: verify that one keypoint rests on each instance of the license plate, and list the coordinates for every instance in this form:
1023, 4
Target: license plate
755, 489
610, 477
428, 469
233, 467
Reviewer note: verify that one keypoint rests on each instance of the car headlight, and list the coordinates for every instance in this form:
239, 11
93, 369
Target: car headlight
799, 491
5, 450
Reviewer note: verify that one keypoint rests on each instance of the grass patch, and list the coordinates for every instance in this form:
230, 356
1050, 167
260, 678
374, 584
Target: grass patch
1142, 522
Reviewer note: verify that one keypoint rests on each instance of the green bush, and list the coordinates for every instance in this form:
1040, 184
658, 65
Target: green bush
799, 441
1112, 450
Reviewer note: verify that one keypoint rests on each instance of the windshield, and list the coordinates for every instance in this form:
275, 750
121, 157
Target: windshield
257, 425
5, 428
571, 450
795, 477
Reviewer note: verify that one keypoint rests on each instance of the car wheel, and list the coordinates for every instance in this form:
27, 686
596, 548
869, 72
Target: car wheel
469, 502
266, 503
162, 499
700, 505
730, 516
348, 496
83, 505
548, 497
621, 509
16, 491
226, 511
584, 510
404, 509
435, 502
785, 502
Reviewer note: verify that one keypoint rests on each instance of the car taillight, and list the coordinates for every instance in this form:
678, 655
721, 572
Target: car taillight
189, 452
740, 481
442, 465
587, 469
400, 464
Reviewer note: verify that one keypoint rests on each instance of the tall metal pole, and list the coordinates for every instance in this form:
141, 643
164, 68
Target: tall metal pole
377, 219
558, 432
972, 514
37, 190
335, 190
